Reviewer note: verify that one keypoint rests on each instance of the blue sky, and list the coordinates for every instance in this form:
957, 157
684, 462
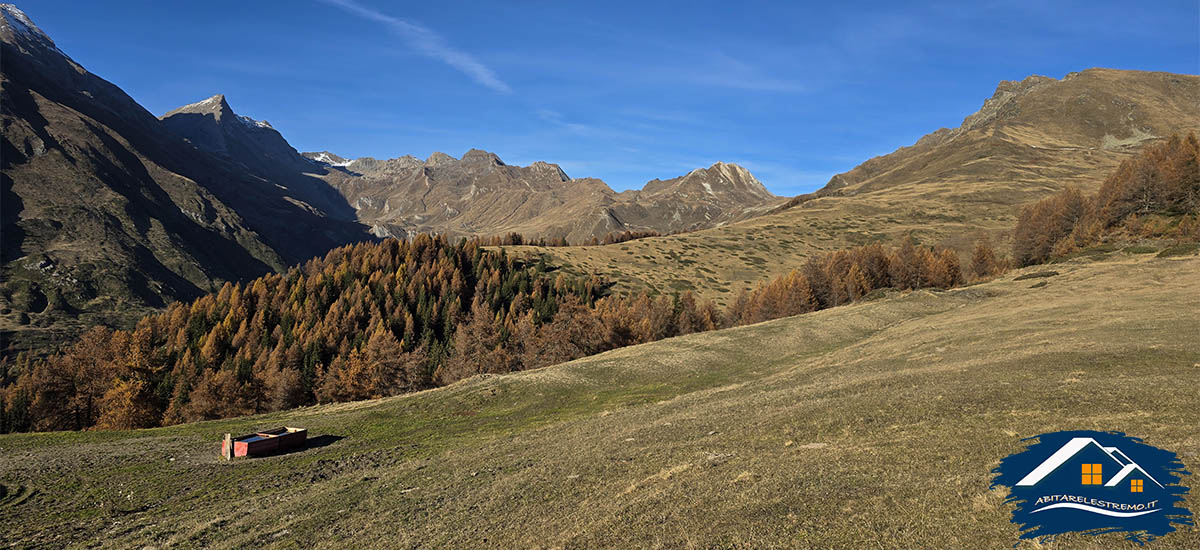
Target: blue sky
622, 91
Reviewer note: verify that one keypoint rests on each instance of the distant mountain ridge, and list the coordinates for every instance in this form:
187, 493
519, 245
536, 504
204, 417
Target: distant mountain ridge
476, 195
481, 194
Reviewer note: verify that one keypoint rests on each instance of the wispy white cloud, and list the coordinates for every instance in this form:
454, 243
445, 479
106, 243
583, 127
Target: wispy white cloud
556, 118
726, 71
428, 43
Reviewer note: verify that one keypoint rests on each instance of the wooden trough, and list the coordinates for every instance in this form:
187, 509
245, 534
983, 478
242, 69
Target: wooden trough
264, 442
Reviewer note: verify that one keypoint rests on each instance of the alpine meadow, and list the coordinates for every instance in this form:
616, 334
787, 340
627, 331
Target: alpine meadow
691, 300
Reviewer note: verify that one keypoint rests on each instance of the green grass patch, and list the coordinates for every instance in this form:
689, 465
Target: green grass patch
1181, 249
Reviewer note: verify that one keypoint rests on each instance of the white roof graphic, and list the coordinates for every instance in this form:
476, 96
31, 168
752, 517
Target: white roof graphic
1070, 449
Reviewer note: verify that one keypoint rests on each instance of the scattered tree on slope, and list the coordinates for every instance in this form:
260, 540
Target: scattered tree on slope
843, 276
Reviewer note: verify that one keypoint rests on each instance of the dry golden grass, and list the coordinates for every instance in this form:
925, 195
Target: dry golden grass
873, 425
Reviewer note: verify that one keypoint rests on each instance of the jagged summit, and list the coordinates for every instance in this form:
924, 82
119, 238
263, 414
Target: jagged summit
212, 125
215, 104
473, 157
219, 108
721, 179
439, 158
479, 155
542, 166
739, 175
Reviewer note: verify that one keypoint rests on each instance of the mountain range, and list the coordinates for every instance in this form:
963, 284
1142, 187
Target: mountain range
109, 210
478, 194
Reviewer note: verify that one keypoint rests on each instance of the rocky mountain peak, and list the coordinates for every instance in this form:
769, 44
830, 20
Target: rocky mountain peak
542, 166
722, 179
215, 105
733, 171
14, 23
212, 125
1002, 102
726, 177
219, 109
406, 161
439, 158
481, 156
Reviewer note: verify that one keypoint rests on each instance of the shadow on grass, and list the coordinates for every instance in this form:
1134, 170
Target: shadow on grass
316, 443
311, 443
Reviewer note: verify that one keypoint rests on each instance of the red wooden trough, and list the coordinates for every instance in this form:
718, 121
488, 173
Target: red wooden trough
264, 442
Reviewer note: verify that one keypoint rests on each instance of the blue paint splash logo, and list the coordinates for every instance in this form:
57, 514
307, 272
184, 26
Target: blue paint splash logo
1094, 482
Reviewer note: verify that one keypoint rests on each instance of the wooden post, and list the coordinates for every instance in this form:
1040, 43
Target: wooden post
227, 447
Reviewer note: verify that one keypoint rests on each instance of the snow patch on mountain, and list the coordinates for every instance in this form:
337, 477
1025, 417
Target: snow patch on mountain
16, 24
205, 104
251, 123
19, 22
329, 159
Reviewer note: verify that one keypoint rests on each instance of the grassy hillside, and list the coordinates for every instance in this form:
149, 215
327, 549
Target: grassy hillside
717, 263
869, 425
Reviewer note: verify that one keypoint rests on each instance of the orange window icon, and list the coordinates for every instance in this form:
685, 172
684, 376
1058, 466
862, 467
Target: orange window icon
1135, 486
1092, 474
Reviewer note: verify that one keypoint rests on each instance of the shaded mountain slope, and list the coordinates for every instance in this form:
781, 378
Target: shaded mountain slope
106, 210
256, 148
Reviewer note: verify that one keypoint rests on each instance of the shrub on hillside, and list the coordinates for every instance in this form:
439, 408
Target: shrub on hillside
984, 262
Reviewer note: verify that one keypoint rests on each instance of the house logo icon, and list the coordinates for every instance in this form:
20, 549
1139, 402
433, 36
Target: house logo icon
1094, 482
